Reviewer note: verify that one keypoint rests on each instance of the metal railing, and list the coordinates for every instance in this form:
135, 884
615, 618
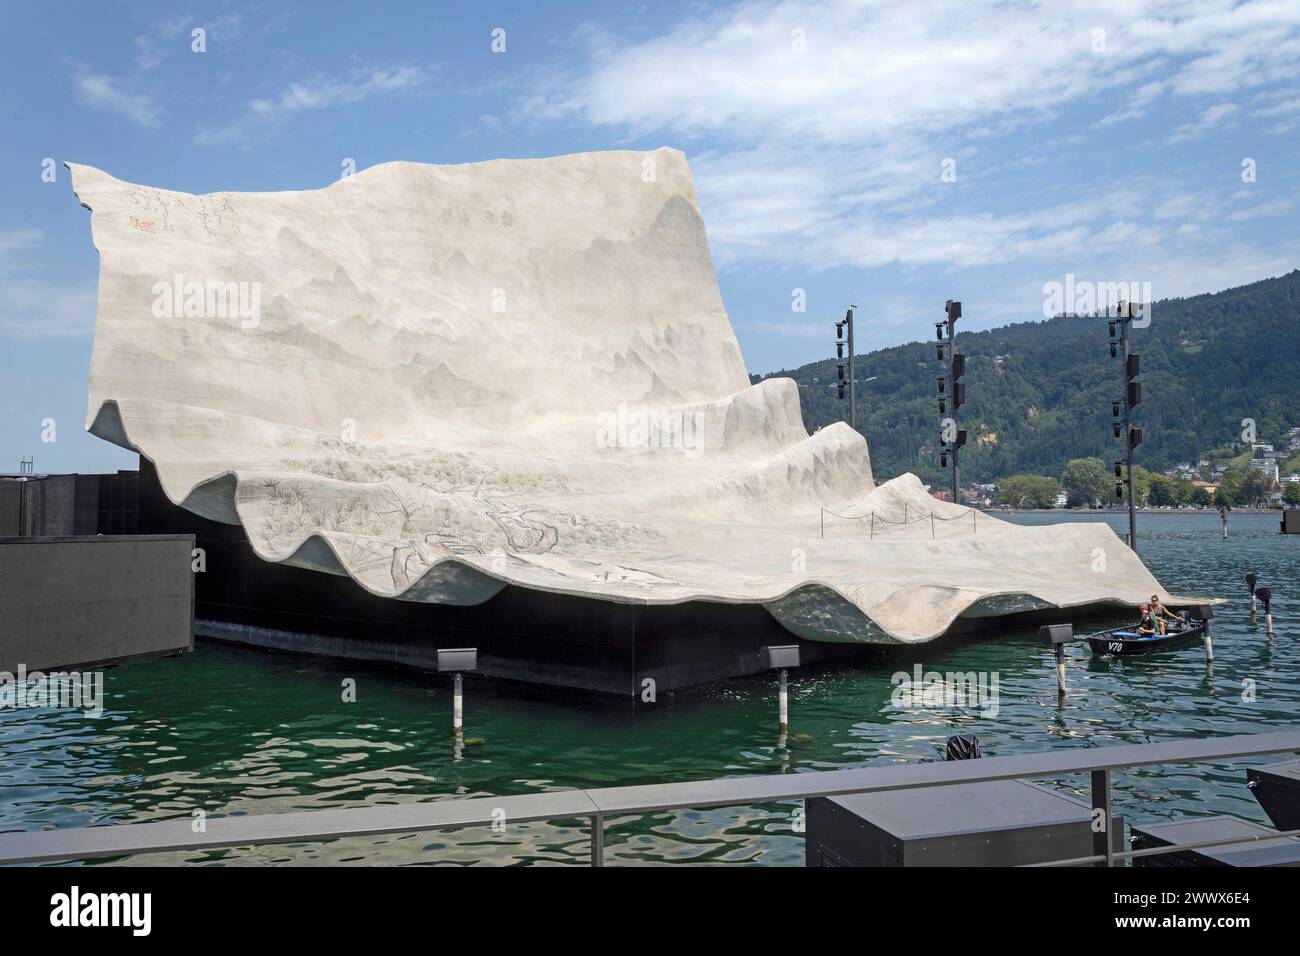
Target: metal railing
597, 805
921, 516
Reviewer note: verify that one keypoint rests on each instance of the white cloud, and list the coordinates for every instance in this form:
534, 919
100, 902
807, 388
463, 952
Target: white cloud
32, 308
831, 157
107, 95
1138, 105
319, 92
871, 70
1212, 119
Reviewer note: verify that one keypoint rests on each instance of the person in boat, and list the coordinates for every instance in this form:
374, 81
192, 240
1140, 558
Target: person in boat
1146, 624
1163, 616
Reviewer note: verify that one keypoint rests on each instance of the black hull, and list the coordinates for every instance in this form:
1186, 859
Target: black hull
1107, 642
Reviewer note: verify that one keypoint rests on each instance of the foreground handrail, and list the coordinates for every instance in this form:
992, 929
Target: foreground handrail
35, 846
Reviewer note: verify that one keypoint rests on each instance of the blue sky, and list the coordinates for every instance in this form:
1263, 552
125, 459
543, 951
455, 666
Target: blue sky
893, 155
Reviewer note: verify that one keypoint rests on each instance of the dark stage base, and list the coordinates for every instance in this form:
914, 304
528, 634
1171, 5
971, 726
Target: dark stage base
520, 634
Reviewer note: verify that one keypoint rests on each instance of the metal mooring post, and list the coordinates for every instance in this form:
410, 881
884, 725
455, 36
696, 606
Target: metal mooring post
784, 697
457, 660
1266, 598
1058, 635
597, 840
457, 705
780, 658
1101, 840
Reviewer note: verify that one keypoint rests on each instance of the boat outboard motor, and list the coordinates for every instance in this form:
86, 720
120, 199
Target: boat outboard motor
963, 747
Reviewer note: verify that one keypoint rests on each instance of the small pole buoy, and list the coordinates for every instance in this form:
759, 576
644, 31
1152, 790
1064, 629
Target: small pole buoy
1250, 583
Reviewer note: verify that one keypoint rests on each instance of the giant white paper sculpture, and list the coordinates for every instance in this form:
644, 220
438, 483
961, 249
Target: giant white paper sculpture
442, 379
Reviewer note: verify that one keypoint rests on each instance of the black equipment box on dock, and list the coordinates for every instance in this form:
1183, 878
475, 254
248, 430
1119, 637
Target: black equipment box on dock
1277, 788
1279, 851
1002, 823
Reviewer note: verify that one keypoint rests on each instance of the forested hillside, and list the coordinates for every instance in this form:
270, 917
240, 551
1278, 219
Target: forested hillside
1039, 393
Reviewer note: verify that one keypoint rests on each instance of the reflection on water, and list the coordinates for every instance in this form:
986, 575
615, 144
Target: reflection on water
232, 730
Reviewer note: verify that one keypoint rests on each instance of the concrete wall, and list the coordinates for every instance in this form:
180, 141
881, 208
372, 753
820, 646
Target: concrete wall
11, 499
62, 505
79, 601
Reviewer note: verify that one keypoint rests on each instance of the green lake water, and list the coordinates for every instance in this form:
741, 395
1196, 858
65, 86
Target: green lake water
234, 730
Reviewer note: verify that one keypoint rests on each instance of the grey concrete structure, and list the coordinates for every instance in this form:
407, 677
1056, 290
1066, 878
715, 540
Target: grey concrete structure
75, 602
62, 505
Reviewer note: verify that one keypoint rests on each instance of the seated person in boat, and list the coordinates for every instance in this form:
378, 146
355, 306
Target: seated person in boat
1146, 625
1162, 614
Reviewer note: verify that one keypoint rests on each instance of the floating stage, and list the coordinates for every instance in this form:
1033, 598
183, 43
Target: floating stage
503, 403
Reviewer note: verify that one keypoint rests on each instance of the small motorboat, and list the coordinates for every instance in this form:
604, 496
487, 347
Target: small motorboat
1127, 640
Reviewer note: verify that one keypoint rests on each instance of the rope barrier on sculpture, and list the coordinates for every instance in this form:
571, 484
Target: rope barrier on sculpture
921, 516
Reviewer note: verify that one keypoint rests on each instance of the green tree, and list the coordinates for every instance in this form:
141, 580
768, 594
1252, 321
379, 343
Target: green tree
1160, 495
1201, 497
1291, 495
1141, 486
1229, 492
1085, 481
1256, 487
1028, 491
